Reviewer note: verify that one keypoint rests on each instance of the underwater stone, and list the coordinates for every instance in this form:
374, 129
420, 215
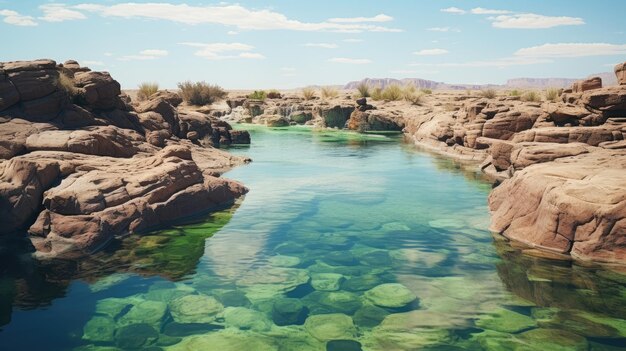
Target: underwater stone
333, 301
233, 298
135, 336
287, 311
361, 283
409, 340
339, 258
186, 329
326, 281
325, 327
369, 316
390, 295
554, 339
284, 261
151, 312
343, 345
114, 307
506, 321
246, 319
225, 340
195, 309
99, 329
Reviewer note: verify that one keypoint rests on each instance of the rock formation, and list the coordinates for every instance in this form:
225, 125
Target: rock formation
81, 164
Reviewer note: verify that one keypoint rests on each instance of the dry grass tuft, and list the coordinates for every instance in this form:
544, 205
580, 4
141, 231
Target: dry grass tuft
147, 89
201, 93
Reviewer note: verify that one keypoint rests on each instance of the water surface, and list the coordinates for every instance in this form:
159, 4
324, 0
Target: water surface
345, 242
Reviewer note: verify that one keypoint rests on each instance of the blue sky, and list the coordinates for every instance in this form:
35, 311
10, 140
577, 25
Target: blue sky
287, 44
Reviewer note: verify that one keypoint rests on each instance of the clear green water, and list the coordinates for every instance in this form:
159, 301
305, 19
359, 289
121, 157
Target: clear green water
345, 242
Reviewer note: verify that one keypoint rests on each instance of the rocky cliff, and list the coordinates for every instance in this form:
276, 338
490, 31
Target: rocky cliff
81, 164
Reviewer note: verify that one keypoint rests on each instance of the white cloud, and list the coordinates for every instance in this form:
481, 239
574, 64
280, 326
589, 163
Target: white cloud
572, 50
533, 21
322, 45
154, 52
14, 18
108, 54
221, 51
232, 32
233, 15
352, 40
59, 13
431, 52
350, 60
498, 63
443, 29
144, 55
453, 9
483, 11
251, 55
377, 18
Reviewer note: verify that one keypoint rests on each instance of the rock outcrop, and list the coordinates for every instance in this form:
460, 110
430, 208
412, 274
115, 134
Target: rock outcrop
80, 164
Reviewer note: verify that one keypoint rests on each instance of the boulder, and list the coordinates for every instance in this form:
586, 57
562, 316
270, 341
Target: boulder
505, 124
102, 141
325, 327
114, 197
239, 137
620, 72
374, 120
167, 112
97, 90
610, 101
587, 84
13, 134
335, 116
195, 309
170, 97
573, 205
392, 295
588, 135
9, 95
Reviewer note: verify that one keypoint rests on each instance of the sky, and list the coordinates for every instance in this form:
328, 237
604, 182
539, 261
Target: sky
288, 44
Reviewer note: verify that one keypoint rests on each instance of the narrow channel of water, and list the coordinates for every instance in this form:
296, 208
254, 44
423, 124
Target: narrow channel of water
345, 242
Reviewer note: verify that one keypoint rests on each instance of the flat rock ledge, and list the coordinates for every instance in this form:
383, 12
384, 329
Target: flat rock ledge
81, 164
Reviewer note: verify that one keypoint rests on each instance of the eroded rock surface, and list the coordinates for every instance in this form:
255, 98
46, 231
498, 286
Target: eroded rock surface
80, 164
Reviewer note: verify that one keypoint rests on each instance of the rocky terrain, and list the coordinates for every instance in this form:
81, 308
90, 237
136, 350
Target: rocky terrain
560, 163
80, 163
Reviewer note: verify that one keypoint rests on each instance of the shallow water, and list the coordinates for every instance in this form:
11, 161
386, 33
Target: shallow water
345, 242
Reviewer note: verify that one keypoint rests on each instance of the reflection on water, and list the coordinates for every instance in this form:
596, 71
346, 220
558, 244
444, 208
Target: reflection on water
345, 242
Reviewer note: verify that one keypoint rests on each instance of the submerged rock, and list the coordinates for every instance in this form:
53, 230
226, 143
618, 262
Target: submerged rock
135, 336
226, 340
287, 311
390, 295
343, 345
246, 319
325, 327
326, 281
99, 329
195, 309
369, 316
506, 321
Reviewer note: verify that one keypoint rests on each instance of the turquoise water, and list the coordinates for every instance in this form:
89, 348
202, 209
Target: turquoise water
345, 242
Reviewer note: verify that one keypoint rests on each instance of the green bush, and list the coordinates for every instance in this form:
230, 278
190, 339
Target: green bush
377, 94
258, 95
147, 89
515, 92
531, 96
552, 94
201, 93
329, 92
308, 93
414, 98
393, 92
488, 93
426, 91
363, 89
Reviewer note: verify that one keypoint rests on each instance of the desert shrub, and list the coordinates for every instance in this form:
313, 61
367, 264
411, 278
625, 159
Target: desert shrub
488, 93
66, 83
552, 94
274, 94
363, 89
515, 92
531, 96
201, 93
393, 92
377, 94
414, 98
308, 93
450, 107
258, 95
147, 89
426, 91
329, 92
